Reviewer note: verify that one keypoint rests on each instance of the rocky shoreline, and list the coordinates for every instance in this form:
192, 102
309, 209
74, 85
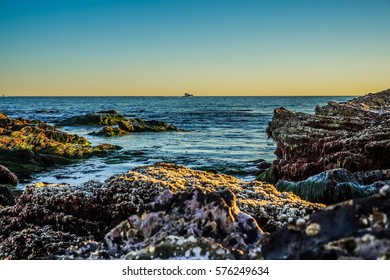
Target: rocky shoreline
337, 157
353, 136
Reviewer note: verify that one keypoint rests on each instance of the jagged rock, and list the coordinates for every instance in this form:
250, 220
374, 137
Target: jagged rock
354, 135
354, 229
337, 185
186, 225
29, 146
85, 214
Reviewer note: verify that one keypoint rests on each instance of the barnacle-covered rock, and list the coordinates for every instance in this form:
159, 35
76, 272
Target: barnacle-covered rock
84, 212
146, 196
205, 218
354, 229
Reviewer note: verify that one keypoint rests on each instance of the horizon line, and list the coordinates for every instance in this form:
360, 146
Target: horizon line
333, 95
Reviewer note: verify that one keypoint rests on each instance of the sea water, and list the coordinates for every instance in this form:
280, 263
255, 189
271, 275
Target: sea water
222, 134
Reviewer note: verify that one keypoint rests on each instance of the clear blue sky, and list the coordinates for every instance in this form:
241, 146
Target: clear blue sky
214, 47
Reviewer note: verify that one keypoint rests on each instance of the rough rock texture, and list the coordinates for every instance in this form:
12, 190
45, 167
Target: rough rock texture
355, 229
124, 126
354, 135
7, 177
28, 146
67, 214
84, 215
337, 185
6, 196
165, 228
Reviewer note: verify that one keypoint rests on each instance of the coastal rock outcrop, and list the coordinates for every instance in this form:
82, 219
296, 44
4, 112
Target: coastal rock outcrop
28, 146
211, 215
354, 229
135, 125
123, 126
353, 135
110, 117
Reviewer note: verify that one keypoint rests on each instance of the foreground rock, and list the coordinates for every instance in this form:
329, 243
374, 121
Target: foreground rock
164, 210
356, 229
193, 224
353, 135
29, 146
123, 126
7, 177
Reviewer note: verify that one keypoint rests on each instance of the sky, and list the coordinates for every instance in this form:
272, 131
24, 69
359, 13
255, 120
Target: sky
205, 47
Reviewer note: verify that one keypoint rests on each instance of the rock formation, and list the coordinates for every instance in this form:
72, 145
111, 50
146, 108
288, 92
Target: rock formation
355, 229
211, 214
29, 146
353, 135
123, 126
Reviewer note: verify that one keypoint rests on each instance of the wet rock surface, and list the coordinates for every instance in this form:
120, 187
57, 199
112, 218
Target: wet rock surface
355, 229
337, 185
352, 135
142, 206
94, 119
123, 126
29, 146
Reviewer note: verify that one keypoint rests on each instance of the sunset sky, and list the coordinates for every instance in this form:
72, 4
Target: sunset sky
206, 47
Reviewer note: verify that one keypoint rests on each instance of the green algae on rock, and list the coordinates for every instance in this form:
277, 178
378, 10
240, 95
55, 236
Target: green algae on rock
337, 185
93, 119
123, 126
29, 146
135, 125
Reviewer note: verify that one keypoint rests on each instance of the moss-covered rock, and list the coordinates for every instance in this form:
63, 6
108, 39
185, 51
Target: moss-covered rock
336, 185
135, 125
29, 146
93, 119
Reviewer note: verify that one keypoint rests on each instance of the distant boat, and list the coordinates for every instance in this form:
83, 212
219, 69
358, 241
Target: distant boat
188, 95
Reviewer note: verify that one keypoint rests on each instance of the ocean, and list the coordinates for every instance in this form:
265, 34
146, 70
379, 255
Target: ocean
222, 134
